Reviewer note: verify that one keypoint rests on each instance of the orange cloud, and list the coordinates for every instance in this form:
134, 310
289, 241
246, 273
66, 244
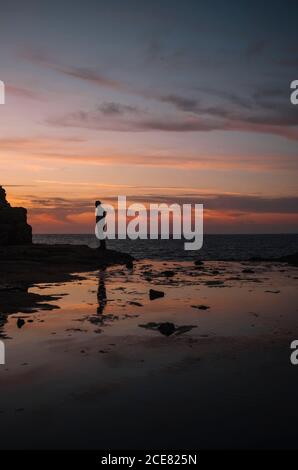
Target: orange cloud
86, 218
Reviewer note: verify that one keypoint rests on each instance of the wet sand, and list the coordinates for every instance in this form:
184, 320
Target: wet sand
97, 364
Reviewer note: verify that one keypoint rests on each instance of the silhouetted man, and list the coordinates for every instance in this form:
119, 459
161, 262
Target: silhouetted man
100, 215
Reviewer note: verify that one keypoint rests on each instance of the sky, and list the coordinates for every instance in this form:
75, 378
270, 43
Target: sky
163, 100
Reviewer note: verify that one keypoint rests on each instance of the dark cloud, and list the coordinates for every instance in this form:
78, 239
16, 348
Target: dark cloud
89, 75
229, 202
142, 122
266, 106
70, 204
286, 205
282, 121
266, 109
180, 102
116, 109
82, 73
236, 203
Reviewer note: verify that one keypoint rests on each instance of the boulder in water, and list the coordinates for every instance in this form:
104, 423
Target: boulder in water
155, 294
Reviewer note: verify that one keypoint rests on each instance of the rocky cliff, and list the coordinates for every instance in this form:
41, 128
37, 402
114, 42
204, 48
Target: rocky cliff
14, 229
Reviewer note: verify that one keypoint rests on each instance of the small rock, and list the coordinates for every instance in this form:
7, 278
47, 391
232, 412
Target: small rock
198, 262
20, 323
167, 328
201, 307
155, 294
214, 283
129, 265
168, 273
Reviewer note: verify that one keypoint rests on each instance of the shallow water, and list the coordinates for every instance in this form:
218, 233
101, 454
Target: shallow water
89, 362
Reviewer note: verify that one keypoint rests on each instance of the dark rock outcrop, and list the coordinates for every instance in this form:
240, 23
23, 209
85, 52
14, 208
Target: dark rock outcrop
25, 262
14, 229
291, 259
54, 263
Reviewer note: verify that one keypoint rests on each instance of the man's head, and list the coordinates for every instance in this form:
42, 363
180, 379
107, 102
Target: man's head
97, 203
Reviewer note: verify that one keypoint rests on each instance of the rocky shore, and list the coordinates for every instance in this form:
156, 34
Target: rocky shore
14, 228
291, 259
54, 263
23, 264
22, 261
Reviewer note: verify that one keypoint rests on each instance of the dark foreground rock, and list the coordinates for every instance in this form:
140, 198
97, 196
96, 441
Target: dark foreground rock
53, 263
14, 228
23, 264
289, 259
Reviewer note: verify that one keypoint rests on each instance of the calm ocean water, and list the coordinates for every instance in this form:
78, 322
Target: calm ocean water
215, 247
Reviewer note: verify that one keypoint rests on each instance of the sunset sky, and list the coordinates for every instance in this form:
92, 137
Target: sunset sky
172, 101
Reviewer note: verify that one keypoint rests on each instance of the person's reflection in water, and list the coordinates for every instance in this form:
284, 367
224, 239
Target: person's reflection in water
101, 292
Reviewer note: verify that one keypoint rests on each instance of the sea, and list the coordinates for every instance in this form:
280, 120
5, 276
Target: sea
215, 247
